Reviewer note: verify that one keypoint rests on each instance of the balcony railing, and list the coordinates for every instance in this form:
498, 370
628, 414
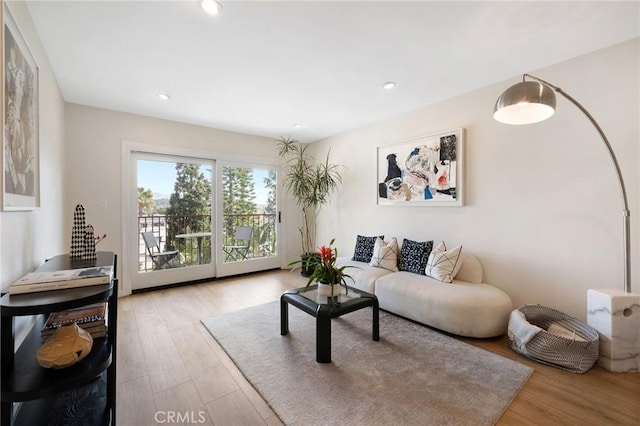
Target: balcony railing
166, 227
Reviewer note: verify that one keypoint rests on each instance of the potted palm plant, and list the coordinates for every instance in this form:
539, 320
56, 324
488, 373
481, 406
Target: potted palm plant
311, 184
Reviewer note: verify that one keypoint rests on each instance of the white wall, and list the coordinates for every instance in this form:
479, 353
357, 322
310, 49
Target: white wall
94, 144
28, 238
542, 205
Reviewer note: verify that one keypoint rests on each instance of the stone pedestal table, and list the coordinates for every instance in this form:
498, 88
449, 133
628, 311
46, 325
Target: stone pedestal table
616, 316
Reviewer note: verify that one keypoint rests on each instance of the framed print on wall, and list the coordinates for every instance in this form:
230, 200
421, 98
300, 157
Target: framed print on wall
20, 151
423, 171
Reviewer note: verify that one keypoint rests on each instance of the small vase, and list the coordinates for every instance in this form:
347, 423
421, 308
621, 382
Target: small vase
325, 289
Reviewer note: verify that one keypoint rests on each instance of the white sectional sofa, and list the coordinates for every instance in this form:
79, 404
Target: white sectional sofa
465, 307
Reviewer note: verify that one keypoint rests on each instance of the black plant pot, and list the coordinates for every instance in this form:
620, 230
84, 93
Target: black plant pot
308, 265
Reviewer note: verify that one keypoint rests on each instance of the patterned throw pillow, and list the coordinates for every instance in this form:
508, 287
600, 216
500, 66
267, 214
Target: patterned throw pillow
364, 248
444, 264
414, 256
385, 255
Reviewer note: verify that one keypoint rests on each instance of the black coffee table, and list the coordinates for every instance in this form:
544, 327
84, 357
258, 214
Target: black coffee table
320, 307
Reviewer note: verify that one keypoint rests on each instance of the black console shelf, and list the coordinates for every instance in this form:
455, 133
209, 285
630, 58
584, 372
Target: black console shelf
47, 411
53, 301
27, 380
46, 394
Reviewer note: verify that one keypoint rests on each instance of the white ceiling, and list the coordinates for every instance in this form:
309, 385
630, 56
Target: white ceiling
262, 66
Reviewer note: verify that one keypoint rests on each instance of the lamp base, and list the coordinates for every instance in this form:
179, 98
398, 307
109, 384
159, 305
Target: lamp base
616, 315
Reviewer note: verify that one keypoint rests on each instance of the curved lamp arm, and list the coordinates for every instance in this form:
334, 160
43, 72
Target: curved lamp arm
600, 131
625, 211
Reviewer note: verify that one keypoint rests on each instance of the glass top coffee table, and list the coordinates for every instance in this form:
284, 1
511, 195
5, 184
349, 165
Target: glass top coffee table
320, 307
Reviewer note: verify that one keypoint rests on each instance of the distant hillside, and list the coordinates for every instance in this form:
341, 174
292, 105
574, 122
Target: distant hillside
162, 204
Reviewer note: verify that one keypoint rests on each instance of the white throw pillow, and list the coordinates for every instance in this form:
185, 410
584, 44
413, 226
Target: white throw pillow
444, 264
385, 255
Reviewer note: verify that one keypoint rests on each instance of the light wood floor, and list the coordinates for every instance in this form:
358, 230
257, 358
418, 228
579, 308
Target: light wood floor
171, 371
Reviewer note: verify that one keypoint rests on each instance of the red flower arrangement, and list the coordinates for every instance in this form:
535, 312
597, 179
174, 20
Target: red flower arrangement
324, 267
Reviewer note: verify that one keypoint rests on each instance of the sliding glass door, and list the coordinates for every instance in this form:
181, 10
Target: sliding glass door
191, 218
247, 219
174, 218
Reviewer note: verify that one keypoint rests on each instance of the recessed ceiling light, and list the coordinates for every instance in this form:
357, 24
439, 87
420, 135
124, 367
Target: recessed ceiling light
212, 7
389, 85
164, 96
296, 126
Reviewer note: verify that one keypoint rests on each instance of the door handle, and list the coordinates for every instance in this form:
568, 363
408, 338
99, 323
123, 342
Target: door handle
279, 217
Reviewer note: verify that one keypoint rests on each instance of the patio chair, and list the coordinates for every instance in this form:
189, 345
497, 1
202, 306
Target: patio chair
239, 248
160, 259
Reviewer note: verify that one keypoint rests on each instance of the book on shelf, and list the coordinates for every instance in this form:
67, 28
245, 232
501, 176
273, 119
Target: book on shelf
92, 318
66, 278
94, 314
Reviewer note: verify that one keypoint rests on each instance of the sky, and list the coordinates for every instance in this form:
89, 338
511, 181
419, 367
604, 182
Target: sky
160, 176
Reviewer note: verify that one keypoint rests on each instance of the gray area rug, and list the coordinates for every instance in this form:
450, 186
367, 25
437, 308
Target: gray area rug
412, 376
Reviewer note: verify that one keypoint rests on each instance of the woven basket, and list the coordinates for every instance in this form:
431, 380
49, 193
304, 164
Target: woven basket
557, 351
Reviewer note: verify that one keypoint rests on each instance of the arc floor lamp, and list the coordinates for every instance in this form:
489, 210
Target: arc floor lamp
530, 102
613, 313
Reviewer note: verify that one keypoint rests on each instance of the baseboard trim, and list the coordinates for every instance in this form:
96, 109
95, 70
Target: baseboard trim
200, 281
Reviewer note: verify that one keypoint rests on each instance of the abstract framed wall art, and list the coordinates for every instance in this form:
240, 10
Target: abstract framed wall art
20, 154
423, 171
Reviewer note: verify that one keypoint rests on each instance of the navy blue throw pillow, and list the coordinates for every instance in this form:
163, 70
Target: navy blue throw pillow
414, 256
364, 248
